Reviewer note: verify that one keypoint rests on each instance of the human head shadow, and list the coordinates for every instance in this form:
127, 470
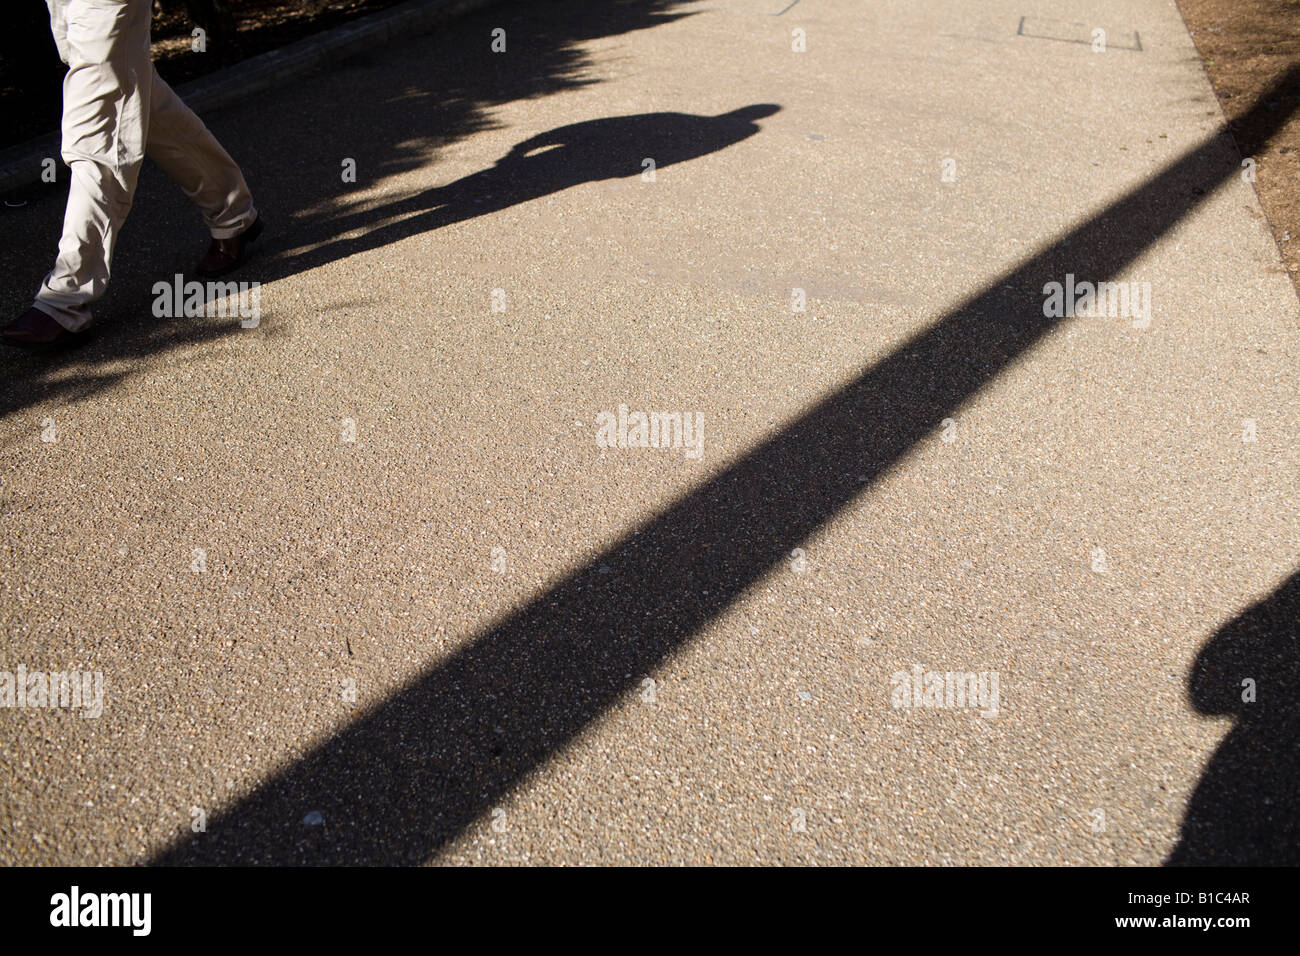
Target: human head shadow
596, 150
1246, 808
412, 773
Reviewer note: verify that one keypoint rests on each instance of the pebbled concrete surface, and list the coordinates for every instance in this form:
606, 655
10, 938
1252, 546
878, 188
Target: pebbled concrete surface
1094, 521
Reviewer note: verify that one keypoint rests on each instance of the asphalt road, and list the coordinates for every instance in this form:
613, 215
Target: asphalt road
369, 582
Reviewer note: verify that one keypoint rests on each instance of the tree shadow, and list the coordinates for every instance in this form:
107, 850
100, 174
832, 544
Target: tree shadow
1246, 809
414, 772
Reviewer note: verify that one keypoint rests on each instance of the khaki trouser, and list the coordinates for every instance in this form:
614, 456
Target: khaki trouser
117, 110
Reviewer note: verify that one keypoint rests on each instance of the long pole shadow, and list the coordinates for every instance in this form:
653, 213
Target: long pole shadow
399, 783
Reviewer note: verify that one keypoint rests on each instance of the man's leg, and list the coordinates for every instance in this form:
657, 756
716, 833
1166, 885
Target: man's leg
182, 146
105, 113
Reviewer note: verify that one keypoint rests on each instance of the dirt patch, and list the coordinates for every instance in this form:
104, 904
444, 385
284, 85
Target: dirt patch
1247, 46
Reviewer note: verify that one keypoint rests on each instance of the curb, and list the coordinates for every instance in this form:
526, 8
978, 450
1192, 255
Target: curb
21, 165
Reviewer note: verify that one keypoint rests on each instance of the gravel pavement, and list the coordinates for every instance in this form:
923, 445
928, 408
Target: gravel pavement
373, 580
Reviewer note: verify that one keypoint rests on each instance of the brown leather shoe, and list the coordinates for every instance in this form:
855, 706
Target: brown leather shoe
36, 330
226, 255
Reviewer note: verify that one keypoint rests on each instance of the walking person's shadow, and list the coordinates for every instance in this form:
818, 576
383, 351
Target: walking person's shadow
612, 148
1246, 809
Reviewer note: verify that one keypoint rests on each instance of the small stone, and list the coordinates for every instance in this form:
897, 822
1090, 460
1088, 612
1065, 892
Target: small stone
314, 819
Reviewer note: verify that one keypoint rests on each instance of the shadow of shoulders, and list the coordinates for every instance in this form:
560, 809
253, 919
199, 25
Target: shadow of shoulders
1245, 809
